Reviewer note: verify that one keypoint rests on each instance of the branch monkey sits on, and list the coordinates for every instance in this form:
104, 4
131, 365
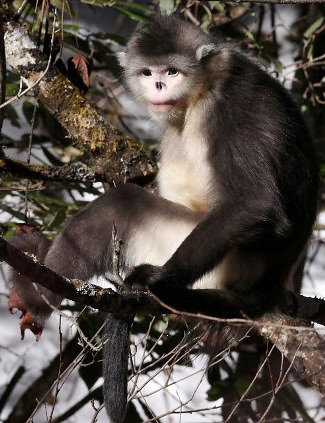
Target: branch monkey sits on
237, 189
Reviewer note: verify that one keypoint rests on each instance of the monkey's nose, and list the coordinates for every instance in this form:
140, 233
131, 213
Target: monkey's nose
159, 85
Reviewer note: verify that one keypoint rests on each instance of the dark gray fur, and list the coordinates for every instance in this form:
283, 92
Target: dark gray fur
37, 245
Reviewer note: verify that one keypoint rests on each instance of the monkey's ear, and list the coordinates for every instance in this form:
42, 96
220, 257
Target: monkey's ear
122, 58
204, 51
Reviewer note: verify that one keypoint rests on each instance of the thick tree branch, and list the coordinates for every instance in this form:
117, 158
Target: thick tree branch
82, 292
112, 154
110, 301
305, 349
67, 173
294, 337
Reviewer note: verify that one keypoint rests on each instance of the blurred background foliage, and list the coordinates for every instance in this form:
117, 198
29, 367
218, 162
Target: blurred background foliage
289, 40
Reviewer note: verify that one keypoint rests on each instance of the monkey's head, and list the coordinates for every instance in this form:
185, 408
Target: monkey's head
166, 64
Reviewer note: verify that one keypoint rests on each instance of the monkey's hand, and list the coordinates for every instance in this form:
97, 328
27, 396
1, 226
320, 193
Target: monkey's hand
147, 275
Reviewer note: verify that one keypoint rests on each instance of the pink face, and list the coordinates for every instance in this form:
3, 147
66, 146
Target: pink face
160, 85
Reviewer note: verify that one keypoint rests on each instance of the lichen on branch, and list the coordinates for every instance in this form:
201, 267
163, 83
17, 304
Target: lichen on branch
111, 152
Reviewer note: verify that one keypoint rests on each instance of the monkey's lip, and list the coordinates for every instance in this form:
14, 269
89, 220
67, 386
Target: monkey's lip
162, 107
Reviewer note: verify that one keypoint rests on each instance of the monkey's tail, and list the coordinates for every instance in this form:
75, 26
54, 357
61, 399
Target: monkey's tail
115, 366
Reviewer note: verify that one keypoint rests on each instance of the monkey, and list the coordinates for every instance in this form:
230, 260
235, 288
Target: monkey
237, 190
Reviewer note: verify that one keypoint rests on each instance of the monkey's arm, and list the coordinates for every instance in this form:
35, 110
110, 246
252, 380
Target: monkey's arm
248, 222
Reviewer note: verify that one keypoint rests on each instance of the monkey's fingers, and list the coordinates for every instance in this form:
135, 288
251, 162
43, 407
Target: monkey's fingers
144, 275
29, 322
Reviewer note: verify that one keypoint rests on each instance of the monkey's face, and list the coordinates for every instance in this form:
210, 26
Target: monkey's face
161, 87
163, 84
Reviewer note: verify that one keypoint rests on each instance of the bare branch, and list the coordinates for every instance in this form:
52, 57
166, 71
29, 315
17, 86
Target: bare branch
292, 336
37, 391
128, 301
97, 392
67, 173
74, 289
304, 349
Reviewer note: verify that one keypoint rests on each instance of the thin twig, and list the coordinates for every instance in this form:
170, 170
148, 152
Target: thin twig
2, 71
29, 152
251, 384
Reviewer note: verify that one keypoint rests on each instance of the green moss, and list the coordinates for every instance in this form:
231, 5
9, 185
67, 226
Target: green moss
75, 114
5, 10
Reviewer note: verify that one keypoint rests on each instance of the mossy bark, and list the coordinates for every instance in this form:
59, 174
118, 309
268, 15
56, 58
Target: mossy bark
112, 155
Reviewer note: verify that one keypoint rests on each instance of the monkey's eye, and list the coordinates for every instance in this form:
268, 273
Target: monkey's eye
146, 72
172, 72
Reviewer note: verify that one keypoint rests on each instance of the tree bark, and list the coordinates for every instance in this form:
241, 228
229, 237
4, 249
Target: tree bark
113, 155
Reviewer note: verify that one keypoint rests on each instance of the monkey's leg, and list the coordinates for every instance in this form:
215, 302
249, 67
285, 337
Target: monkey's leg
24, 296
150, 228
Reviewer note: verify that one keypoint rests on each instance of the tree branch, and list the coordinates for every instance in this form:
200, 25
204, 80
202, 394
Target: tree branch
294, 337
305, 349
67, 173
112, 154
37, 391
73, 289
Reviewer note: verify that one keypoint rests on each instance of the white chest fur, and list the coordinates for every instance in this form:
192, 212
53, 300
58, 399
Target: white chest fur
185, 174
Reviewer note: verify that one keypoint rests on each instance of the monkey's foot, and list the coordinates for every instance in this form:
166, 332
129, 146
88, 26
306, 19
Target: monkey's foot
28, 321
